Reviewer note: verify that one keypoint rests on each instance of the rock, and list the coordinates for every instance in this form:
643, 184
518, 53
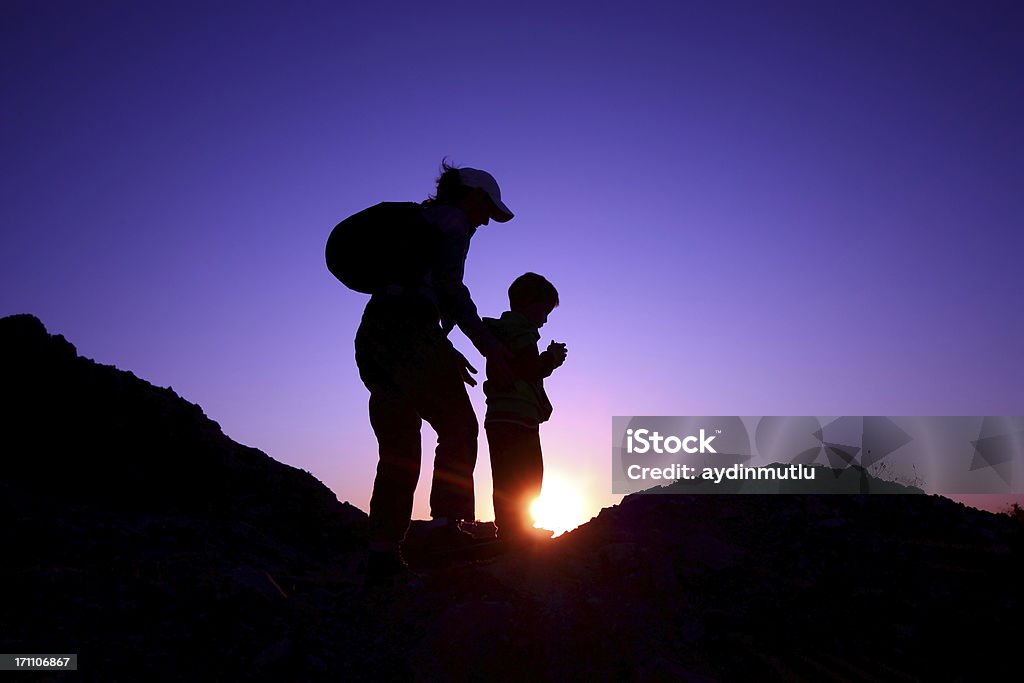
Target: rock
139, 534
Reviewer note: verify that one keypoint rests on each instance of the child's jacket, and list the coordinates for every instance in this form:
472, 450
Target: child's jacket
525, 402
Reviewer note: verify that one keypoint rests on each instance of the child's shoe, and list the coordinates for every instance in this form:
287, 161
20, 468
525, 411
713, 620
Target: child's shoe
443, 535
524, 539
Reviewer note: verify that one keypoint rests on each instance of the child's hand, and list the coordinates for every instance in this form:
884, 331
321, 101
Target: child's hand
558, 352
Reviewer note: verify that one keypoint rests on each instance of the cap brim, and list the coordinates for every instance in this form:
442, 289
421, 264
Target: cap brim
501, 213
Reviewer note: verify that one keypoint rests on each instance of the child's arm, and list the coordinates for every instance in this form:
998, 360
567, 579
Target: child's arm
533, 367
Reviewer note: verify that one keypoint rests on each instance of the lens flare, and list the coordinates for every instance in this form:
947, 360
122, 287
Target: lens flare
559, 506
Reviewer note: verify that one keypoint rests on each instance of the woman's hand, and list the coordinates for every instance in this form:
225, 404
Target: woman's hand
465, 368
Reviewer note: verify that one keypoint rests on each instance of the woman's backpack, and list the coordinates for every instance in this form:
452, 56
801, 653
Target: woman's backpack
387, 244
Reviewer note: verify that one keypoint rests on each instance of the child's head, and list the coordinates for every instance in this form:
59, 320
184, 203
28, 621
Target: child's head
533, 296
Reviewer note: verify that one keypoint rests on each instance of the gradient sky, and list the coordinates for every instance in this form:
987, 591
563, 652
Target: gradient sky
748, 208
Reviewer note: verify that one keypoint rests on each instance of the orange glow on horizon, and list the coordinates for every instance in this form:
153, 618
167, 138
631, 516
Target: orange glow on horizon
559, 507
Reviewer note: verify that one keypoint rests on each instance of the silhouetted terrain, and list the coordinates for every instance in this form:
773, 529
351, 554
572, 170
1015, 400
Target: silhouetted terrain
139, 536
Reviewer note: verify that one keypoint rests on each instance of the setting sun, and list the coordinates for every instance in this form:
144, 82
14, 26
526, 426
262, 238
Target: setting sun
559, 506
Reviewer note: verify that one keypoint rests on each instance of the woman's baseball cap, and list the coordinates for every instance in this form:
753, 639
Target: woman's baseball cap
473, 177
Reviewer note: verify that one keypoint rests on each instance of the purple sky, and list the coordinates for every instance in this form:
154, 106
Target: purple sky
748, 208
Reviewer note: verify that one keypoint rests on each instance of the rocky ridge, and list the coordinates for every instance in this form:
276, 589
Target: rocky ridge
142, 538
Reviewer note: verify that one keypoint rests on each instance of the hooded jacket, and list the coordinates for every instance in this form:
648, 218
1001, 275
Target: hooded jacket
525, 401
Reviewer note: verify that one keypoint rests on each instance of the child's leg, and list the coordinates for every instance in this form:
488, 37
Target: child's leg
517, 470
500, 443
533, 473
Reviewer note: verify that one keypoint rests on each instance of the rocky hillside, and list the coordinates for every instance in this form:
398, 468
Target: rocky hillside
139, 536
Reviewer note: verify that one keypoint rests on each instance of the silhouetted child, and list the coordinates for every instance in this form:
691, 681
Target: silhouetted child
514, 412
